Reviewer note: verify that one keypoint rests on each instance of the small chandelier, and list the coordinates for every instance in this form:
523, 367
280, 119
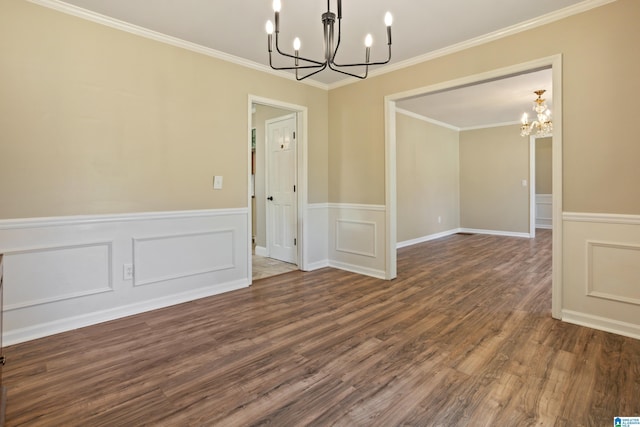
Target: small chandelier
331, 45
543, 126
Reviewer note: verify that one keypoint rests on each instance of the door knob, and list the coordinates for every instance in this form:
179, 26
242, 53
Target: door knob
270, 198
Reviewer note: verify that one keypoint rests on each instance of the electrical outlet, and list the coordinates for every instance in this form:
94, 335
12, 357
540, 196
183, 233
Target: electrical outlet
439, 220
127, 272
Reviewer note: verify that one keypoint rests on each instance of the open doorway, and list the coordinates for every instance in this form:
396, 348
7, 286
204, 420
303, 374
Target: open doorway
554, 64
277, 186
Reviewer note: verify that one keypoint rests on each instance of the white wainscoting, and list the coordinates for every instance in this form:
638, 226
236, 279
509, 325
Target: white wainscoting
64, 273
357, 238
544, 211
602, 272
317, 241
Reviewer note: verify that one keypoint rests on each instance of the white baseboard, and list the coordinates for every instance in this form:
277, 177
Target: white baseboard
50, 328
544, 226
493, 232
317, 265
426, 238
378, 274
262, 251
601, 323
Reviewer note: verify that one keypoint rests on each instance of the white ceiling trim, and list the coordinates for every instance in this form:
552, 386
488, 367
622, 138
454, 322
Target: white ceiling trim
427, 119
88, 15
505, 32
491, 125
450, 126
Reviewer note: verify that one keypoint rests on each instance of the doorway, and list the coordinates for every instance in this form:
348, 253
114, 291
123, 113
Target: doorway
277, 187
553, 62
541, 179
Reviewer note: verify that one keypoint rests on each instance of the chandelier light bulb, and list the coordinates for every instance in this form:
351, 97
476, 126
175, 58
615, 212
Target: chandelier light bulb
277, 5
368, 41
542, 126
296, 44
269, 27
388, 19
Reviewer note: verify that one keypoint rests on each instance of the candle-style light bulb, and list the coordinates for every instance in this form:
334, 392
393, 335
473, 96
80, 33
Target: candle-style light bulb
525, 119
277, 5
388, 20
368, 41
296, 48
269, 28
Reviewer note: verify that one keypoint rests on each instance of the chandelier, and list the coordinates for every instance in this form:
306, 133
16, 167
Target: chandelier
331, 45
541, 127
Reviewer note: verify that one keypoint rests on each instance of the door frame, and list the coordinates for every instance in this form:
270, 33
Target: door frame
269, 230
302, 176
555, 63
532, 182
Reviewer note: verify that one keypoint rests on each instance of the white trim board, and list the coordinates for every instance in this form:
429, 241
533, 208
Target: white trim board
606, 218
427, 238
59, 221
450, 126
601, 323
67, 324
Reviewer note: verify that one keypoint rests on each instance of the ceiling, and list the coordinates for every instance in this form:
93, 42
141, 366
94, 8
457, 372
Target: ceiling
420, 28
490, 103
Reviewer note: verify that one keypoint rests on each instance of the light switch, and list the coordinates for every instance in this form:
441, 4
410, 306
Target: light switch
524, 182
217, 182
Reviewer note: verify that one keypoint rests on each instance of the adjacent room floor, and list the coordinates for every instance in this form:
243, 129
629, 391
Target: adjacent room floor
267, 267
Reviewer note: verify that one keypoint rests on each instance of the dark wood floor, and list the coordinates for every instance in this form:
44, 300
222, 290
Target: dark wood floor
462, 337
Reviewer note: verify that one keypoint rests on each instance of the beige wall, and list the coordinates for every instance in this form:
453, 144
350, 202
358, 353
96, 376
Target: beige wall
599, 80
94, 120
428, 178
263, 113
493, 163
543, 166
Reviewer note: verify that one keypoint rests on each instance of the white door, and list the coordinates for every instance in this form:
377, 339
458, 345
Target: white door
281, 189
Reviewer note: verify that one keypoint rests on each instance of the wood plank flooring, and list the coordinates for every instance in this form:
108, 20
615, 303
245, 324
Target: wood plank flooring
463, 337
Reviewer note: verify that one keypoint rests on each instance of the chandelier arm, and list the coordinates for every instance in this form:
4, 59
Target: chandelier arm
366, 73
362, 64
310, 74
318, 63
296, 67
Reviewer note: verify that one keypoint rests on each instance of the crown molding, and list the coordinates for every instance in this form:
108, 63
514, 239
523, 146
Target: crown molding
427, 119
477, 41
450, 126
79, 12
490, 125
117, 24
